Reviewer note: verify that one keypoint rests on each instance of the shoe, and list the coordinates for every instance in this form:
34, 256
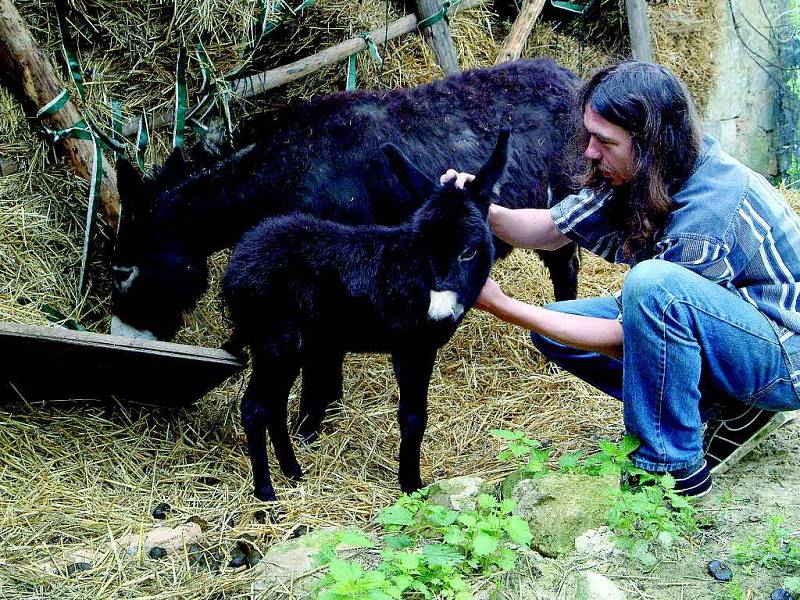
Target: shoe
691, 483
727, 441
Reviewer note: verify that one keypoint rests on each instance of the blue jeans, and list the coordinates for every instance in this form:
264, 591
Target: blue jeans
690, 349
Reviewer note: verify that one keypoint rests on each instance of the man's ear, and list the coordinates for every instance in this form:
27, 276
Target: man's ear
415, 181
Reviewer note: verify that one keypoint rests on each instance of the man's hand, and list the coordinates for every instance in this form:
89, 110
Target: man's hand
461, 179
491, 297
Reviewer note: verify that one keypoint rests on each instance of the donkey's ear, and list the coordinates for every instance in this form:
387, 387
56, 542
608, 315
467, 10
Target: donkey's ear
415, 181
134, 194
174, 169
483, 188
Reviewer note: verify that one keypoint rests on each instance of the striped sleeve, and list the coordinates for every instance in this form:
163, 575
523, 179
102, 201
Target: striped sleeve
706, 256
583, 218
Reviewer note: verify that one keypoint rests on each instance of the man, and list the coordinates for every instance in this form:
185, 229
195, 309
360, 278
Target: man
705, 327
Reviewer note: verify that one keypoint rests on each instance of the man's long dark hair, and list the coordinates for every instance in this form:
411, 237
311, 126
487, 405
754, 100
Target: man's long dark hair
654, 106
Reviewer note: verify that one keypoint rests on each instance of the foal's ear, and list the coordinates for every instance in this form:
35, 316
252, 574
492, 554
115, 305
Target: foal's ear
134, 195
484, 188
174, 170
415, 181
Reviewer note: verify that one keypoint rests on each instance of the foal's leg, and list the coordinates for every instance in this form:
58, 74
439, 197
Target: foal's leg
563, 266
413, 368
264, 407
322, 385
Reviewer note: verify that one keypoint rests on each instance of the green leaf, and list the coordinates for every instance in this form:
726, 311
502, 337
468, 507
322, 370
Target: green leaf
484, 544
355, 539
507, 506
399, 541
628, 444
467, 520
395, 515
342, 570
519, 531
792, 584
453, 536
441, 555
507, 435
486, 501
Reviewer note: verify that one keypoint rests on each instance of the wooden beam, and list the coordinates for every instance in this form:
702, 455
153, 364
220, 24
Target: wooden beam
514, 44
639, 27
259, 83
33, 80
437, 36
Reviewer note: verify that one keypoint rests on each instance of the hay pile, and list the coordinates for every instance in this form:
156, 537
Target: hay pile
72, 475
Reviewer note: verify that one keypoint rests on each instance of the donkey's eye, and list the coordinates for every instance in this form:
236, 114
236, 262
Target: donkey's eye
467, 254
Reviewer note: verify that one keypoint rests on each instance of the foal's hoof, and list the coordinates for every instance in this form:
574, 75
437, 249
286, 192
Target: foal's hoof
308, 436
411, 486
266, 494
295, 473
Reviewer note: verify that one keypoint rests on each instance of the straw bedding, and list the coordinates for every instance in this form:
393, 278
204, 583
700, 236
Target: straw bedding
75, 474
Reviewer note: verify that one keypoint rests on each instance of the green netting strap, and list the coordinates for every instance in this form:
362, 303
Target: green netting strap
442, 13
116, 124
70, 53
351, 60
181, 100
579, 9
142, 139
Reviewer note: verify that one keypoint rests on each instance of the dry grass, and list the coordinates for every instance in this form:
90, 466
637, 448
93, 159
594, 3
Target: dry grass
75, 474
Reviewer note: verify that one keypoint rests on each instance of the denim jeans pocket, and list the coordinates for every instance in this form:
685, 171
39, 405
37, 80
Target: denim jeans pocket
778, 395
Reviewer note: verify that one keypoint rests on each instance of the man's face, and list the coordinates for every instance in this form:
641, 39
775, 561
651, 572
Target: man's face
610, 148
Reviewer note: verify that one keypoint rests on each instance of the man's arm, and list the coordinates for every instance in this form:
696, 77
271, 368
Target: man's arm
587, 333
526, 227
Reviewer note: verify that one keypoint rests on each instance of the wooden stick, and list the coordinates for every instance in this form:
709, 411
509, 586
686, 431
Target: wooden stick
26, 71
438, 37
514, 44
639, 28
268, 80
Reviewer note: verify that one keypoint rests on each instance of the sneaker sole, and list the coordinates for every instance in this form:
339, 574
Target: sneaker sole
776, 422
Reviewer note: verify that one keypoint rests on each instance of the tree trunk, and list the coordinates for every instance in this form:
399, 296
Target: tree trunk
437, 36
514, 44
639, 28
26, 71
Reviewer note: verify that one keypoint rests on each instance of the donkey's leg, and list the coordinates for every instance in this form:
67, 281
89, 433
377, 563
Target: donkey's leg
413, 368
322, 385
263, 403
563, 266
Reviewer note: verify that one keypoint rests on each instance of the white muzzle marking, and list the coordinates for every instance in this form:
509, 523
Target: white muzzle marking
444, 305
122, 329
133, 273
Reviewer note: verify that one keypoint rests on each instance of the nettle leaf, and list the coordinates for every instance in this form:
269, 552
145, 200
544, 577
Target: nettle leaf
609, 448
487, 501
342, 570
407, 561
507, 506
441, 555
519, 531
628, 444
792, 584
453, 536
355, 539
511, 436
570, 460
467, 519
400, 541
395, 515
507, 559
484, 544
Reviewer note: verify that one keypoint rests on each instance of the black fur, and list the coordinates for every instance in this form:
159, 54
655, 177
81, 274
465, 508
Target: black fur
323, 158
304, 291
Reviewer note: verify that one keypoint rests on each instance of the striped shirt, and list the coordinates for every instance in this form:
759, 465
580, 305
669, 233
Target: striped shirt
728, 224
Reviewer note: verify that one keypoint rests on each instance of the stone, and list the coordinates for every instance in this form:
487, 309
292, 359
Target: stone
597, 543
720, 571
168, 538
593, 586
561, 506
458, 493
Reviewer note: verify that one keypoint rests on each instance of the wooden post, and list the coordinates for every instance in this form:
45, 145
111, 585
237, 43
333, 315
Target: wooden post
639, 28
514, 44
34, 81
437, 36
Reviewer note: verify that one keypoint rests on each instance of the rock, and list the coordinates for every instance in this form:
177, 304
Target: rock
720, 571
160, 511
562, 506
595, 542
168, 538
458, 493
593, 586
292, 565
781, 594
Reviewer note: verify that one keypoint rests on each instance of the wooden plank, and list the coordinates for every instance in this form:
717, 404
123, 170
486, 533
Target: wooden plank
438, 37
55, 363
639, 28
514, 44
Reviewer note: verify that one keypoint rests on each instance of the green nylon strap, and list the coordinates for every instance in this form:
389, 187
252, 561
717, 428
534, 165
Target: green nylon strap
116, 123
351, 73
142, 139
68, 47
181, 100
442, 13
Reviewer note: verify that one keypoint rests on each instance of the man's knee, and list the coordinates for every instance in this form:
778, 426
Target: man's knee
654, 279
